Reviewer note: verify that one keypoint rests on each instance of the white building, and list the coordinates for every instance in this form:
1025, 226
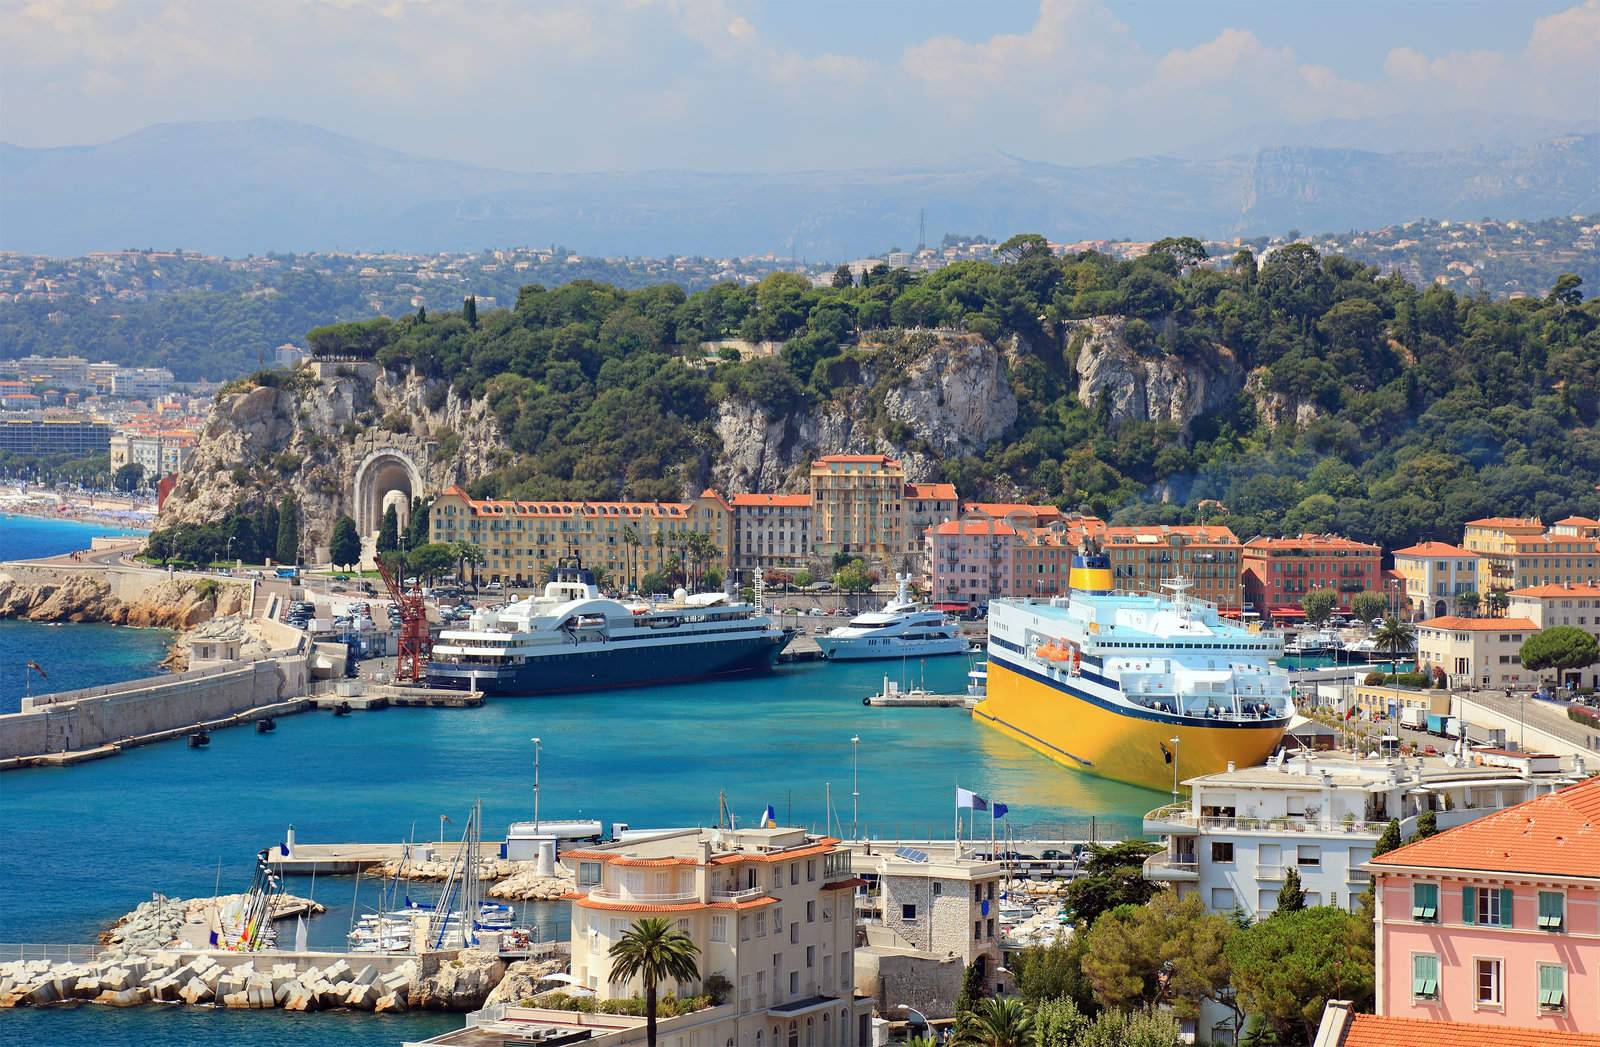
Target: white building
771, 911
1571, 603
141, 383
771, 530
1239, 832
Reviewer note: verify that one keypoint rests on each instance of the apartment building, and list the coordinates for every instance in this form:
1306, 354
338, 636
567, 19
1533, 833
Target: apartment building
858, 507
1231, 842
1495, 538
160, 453
1279, 571
522, 540
1574, 604
1211, 558
1435, 576
1480, 652
771, 531
770, 910
926, 504
933, 916
1041, 560
78, 437
971, 560
1497, 922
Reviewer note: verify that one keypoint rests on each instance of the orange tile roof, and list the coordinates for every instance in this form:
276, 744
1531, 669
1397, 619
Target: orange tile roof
1370, 1030
1475, 625
1213, 533
1577, 521
1007, 508
1575, 589
1506, 521
1315, 541
1557, 834
881, 459
946, 492
1435, 549
978, 527
799, 500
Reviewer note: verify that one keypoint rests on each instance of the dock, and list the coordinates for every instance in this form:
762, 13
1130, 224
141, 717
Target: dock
349, 859
921, 700
373, 697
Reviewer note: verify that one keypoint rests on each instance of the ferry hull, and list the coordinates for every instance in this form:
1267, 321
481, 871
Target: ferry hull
1089, 737
597, 667
856, 649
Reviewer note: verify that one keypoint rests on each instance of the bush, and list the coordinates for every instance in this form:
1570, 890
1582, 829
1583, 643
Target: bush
1587, 717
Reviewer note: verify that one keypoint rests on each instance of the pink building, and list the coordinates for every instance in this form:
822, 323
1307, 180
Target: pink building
1496, 922
971, 560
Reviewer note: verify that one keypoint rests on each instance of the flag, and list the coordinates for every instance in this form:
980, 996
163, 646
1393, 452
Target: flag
998, 810
769, 819
966, 799
1166, 754
36, 668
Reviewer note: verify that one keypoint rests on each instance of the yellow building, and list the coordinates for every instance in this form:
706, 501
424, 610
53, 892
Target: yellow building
1494, 537
858, 507
1435, 576
771, 910
522, 540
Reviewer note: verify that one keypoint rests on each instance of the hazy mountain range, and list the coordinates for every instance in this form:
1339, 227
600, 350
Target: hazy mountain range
260, 185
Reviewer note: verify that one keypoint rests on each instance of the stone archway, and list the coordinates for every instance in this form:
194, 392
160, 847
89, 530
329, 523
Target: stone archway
384, 477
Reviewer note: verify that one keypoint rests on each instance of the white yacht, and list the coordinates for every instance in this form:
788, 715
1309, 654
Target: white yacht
570, 638
903, 629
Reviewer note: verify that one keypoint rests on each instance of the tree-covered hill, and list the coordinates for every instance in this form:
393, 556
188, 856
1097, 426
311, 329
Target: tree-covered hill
1372, 407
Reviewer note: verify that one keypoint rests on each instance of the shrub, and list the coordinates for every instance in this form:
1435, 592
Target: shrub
1587, 717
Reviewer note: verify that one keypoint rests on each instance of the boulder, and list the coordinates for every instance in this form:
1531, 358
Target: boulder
41, 994
238, 1000
461, 984
259, 993
395, 1001
132, 997
361, 997
299, 998
522, 980
116, 979
88, 987
367, 975
282, 990
196, 991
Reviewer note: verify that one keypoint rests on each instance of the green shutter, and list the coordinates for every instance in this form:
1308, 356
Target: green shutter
1552, 985
1424, 975
1469, 905
1505, 907
1550, 910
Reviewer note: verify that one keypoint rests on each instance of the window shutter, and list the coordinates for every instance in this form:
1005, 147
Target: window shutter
1505, 907
1469, 905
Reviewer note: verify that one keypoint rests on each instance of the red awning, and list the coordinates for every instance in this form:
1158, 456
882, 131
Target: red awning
1287, 612
952, 607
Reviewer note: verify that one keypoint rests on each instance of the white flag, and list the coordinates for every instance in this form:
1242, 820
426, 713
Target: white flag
968, 800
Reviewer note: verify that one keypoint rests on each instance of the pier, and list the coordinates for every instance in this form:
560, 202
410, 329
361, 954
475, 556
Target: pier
921, 700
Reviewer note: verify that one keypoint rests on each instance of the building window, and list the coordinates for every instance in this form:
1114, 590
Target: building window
811, 912
1222, 899
744, 928
1486, 906
811, 869
794, 982
1488, 980
938, 888
761, 925
588, 874
1222, 851
794, 934
1552, 987
991, 927
719, 928
1309, 856
908, 912
1424, 976
794, 873
811, 956
1425, 901
977, 930
1552, 910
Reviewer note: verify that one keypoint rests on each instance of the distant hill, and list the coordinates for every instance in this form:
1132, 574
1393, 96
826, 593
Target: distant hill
261, 185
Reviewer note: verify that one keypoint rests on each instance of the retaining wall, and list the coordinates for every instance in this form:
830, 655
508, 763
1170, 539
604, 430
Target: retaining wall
96, 716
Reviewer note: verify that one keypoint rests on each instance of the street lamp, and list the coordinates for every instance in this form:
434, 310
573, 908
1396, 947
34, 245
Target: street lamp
855, 789
536, 748
1175, 740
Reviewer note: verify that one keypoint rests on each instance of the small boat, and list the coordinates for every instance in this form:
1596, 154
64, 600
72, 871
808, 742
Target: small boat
199, 740
265, 725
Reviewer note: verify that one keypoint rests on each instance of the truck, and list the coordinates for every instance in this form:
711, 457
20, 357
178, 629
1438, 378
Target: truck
1416, 719
1452, 727
286, 572
1494, 737
1436, 723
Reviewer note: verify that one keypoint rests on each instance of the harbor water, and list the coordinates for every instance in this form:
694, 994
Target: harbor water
90, 842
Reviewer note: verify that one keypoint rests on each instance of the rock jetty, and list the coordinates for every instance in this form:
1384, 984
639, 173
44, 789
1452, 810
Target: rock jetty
77, 596
159, 922
516, 881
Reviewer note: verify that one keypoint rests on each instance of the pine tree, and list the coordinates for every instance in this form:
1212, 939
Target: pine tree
1389, 840
1427, 825
288, 548
971, 990
389, 531
422, 314
1291, 898
266, 534
344, 549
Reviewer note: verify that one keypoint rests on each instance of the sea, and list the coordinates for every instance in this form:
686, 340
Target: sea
87, 843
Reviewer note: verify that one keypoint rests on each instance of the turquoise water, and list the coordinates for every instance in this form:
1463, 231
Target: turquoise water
26, 537
85, 844
73, 656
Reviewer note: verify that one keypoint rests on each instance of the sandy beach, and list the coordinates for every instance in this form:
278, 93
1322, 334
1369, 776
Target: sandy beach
87, 507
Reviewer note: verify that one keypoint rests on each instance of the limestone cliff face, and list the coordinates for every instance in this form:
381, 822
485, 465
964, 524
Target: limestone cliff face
311, 435
923, 398
1148, 383
1275, 408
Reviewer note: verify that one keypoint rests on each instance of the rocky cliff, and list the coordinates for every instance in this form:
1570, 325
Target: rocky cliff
312, 432
923, 397
1139, 381
179, 603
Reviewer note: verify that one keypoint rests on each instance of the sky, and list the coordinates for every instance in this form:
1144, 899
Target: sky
579, 85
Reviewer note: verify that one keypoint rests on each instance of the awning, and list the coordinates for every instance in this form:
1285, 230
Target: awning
1287, 612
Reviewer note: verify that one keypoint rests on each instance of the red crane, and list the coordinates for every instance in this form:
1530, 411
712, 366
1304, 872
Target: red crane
416, 643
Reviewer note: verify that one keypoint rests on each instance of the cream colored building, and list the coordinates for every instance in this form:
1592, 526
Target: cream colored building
1577, 605
771, 910
522, 540
1435, 576
858, 507
926, 504
771, 531
1481, 652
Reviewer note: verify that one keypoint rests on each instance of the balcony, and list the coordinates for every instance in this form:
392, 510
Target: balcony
1163, 868
729, 894
1179, 818
603, 893
1269, 872
1174, 817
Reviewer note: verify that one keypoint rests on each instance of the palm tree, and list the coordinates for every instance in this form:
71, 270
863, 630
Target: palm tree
995, 1022
1394, 638
630, 542
653, 951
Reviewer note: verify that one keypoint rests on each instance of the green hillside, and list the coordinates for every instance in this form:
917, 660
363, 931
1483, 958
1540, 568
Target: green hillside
1421, 408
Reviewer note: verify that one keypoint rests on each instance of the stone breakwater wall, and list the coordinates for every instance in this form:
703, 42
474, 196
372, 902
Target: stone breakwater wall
131, 712
266, 980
